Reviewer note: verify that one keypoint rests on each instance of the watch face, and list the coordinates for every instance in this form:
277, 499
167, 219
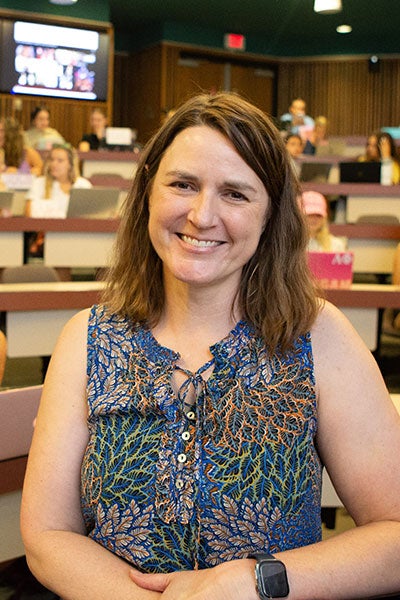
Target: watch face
272, 579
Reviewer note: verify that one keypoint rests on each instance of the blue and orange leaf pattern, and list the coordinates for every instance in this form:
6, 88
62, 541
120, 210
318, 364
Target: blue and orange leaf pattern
250, 478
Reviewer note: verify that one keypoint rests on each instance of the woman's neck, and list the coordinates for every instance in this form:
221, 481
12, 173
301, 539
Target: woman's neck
193, 320
65, 184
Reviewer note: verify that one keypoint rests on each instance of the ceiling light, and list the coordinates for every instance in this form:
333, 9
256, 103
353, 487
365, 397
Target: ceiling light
327, 7
344, 29
63, 2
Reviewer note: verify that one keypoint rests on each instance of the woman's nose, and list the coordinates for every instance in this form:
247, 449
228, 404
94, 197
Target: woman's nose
203, 210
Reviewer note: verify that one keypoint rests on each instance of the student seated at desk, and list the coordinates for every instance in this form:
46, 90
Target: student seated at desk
381, 147
315, 207
390, 174
391, 316
40, 135
294, 145
371, 153
49, 194
96, 139
17, 157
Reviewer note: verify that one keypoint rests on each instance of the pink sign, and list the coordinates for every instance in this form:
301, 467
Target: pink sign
332, 269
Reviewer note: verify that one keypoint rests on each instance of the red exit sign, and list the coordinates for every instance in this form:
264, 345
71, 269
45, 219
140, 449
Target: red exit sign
235, 41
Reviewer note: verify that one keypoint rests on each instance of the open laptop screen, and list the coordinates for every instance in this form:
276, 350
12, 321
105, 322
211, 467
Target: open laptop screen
93, 203
360, 172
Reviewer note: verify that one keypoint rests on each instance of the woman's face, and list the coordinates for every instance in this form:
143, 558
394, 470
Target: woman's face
59, 168
315, 223
98, 121
294, 146
42, 119
372, 148
207, 210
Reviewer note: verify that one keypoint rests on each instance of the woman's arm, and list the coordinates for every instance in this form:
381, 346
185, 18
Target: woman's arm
34, 161
359, 441
57, 549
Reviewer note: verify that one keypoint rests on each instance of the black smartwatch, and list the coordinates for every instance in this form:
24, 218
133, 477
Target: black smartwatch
271, 578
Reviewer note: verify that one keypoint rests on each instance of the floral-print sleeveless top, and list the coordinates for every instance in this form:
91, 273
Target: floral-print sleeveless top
168, 486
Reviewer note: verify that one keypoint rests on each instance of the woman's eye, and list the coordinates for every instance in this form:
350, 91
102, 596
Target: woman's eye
234, 195
181, 185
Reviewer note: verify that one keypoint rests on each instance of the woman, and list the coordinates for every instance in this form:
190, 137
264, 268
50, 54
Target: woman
97, 138
183, 421
40, 135
371, 150
17, 157
321, 239
48, 196
294, 145
391, 316
390, 168
382, 148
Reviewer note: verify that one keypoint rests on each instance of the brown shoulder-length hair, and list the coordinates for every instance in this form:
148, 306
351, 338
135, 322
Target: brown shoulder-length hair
13, 143
276, 292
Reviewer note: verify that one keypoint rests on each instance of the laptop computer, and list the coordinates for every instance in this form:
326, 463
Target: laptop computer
93, 203
360, 172
315, 171
17, 181
119, 138
332, 270
6, 203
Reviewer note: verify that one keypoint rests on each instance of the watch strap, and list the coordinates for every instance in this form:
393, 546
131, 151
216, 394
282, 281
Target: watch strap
261, 556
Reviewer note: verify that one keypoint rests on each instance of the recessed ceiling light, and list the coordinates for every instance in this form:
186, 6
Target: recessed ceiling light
63, 2
344, 29
327, 7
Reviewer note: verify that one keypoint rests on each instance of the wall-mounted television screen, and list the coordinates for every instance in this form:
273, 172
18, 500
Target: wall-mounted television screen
53, 60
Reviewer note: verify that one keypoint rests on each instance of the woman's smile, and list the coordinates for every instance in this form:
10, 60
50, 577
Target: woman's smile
197, 243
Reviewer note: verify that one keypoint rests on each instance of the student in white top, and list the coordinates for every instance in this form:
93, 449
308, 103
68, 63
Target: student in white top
315, 207
48, 196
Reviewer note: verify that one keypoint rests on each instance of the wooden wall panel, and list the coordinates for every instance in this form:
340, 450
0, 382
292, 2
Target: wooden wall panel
196, 76
137, 85
69, 117
355, 100
256, 84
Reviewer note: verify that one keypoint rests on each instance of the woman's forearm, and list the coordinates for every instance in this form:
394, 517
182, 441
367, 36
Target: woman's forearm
77, 568
362, 562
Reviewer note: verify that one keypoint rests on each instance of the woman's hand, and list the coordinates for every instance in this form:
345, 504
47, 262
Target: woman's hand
228, 581
385, 150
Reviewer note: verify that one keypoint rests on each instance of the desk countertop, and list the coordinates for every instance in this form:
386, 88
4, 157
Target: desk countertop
80, 294
18, 224
366, 295
49, 296
62, 225
367, 231
353, 189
